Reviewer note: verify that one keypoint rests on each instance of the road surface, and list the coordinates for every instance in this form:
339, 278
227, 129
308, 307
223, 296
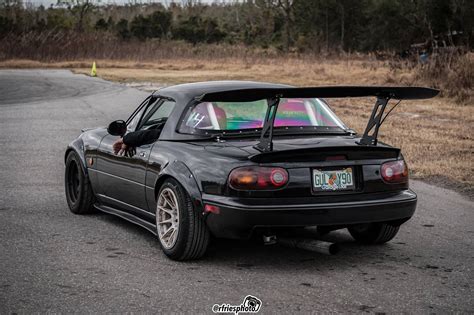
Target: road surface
54, 261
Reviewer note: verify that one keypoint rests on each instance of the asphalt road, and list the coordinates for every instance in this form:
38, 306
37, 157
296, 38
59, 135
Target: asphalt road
54, 261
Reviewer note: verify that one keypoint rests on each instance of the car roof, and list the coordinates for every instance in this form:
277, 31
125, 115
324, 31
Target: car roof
186, 94
191, 90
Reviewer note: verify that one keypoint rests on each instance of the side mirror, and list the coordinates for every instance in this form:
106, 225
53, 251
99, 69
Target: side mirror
117, 128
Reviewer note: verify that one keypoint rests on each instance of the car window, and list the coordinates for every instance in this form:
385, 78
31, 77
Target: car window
157, 113
134, 119
292, 112
132, 125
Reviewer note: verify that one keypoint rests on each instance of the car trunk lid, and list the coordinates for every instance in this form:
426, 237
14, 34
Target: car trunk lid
322, 149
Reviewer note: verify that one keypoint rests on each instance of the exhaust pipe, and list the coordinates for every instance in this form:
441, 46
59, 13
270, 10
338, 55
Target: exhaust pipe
310, 244
269, 240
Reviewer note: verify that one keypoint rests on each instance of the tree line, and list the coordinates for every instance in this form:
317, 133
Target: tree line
302, 25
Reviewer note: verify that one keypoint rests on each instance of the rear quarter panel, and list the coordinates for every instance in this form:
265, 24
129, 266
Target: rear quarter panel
198, 168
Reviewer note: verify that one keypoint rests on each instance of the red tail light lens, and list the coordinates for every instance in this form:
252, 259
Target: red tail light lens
395, 172
258, 178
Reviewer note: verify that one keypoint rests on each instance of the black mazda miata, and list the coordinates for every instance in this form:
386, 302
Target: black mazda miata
236, 158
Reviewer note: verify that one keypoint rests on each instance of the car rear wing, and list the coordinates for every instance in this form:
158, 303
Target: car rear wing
273, 95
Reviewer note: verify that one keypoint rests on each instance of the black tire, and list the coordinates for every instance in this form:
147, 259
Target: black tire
373, 233
193, 234
79, 195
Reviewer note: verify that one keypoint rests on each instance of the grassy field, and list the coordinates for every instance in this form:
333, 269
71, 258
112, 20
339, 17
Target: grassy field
435, 135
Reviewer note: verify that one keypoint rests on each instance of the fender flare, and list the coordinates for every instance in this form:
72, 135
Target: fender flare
78, 147
181, 173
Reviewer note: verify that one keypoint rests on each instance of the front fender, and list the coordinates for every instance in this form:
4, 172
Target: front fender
78, 147
180, 172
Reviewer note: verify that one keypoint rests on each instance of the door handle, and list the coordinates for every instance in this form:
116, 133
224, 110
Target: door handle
143, 154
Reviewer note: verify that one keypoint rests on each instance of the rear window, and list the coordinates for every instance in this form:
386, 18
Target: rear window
231, 116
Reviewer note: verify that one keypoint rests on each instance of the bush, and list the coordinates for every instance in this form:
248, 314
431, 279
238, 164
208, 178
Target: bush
101, 25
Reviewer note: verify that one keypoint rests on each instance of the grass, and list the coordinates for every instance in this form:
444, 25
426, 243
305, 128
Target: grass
435, 135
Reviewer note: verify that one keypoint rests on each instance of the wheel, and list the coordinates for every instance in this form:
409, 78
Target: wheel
79, 195
373, 233
181, 230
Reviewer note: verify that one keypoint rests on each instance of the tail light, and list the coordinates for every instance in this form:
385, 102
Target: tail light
395, 172
258, 178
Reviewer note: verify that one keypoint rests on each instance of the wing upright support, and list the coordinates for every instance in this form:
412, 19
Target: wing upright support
375, 121
265, 144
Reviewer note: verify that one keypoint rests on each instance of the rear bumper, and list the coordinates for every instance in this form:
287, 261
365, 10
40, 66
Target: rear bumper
238, 220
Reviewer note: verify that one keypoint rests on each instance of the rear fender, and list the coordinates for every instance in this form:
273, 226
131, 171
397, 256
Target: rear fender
180, 172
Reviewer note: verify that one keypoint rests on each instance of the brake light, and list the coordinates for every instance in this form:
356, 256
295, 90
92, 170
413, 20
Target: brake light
395, 172
258, 178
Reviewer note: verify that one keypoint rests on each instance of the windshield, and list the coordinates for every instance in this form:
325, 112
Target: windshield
235, 116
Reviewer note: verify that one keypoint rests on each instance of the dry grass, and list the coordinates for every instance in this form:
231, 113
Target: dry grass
454, 75
435, 135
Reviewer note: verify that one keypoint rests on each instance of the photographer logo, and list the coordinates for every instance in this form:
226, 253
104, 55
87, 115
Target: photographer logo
250, 304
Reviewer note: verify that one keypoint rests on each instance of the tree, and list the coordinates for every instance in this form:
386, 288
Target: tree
6, 25
198, 30
110, 23
286, 6
101, 25
59, 19
122, 29
160, 23
139, 27
80, 8
190, 30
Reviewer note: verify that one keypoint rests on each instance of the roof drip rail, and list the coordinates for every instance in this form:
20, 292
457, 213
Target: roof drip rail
375, 121
265, 144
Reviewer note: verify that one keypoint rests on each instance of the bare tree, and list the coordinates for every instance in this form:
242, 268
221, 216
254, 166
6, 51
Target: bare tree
342, 14
287, 8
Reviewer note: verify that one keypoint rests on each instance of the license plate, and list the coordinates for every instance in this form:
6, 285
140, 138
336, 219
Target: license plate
332, 180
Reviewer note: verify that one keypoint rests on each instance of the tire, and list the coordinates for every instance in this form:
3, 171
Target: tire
373, 233
181, 230
79, 195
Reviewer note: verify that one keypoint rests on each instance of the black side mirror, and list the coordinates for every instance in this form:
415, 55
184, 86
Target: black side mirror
117, 128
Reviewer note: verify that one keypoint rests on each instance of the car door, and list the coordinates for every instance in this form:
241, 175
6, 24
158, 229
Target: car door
121, 177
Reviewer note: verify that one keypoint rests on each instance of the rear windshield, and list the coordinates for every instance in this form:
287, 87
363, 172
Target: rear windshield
233, 116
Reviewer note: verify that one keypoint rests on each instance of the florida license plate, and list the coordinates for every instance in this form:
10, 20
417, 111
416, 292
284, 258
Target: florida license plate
331, 180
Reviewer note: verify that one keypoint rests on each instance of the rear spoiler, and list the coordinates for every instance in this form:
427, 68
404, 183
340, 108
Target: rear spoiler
273, 95
249, 95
